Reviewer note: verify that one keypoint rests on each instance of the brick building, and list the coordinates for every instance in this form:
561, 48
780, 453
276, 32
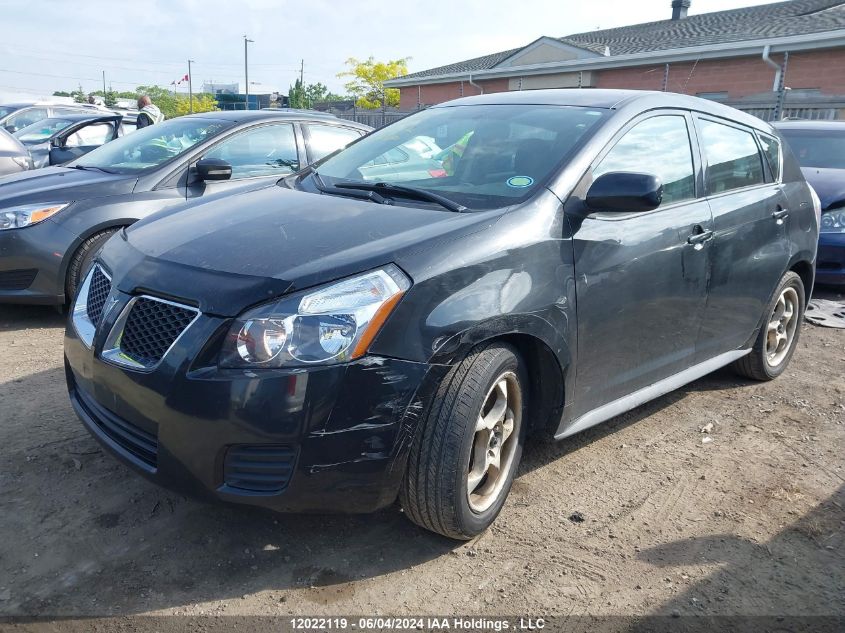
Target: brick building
787, 57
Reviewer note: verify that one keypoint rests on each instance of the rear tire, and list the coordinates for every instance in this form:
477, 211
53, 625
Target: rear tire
778, 336
83, 259
468, 445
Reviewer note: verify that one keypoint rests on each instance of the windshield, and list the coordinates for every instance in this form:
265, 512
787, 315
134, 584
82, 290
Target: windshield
7, 110
817, 148
481, 157
41, 130
152, 146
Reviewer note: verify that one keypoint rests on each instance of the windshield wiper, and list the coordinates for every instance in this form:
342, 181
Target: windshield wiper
87, 167
349, 193
411, 192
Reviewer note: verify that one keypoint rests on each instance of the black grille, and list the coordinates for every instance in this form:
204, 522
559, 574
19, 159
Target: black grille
98, 291
151, 328
130, 438
17, 279
265, 468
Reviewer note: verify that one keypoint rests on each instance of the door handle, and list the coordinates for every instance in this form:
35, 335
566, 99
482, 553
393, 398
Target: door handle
780, 214
700, 238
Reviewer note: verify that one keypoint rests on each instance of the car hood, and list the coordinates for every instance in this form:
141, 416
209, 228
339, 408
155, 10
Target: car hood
61, 184
828, 183
236, 251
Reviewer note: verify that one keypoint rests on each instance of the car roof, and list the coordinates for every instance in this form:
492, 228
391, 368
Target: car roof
86, 116
239, 116
610, 100
810, 125
56, 104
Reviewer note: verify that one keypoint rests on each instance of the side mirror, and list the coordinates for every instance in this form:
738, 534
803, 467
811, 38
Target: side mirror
213, 169
624, 192
57, 142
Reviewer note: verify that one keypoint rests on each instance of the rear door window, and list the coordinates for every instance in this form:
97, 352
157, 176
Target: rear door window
659, 146
732, 157
325, 139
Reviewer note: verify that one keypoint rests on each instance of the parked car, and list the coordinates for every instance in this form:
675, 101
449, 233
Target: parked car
53, 220
58, 140
14, 157
15, 116
819, 147
335, 342
418, 158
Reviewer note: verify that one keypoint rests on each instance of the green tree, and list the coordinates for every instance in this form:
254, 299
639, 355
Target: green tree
110, 98
296, 96
320, 93
367, 81
163, 98
79, 95
62, 93
203, 102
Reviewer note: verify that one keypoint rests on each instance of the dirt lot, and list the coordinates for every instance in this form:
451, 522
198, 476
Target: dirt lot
750, 523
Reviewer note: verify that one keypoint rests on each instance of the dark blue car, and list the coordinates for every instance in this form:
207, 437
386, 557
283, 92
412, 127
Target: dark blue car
819, 147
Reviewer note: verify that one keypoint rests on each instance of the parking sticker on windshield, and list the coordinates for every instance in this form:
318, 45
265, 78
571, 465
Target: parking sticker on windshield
520, 182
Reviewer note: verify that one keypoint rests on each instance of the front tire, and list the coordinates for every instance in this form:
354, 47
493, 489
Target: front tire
83, 259
778, 336
468, 446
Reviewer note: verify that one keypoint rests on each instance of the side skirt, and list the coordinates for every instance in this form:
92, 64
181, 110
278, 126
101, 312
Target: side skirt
633, 400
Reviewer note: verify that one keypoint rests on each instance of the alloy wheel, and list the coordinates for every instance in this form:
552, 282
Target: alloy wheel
782, 326
495, 442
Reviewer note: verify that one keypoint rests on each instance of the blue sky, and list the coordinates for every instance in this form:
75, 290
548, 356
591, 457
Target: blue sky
56, 44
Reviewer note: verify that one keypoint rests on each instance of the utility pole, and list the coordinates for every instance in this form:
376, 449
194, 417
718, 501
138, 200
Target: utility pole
104, 86
246, 69
302, 73
190, 89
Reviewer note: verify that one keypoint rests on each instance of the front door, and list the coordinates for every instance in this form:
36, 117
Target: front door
750, 248
641, 278
81, 140
257, 155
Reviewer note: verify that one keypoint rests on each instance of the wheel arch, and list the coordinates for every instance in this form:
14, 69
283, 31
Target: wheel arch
546, 369
804, 269
117, 223
546, 392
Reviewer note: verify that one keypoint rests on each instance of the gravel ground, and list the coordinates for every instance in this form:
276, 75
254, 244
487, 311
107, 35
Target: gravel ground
646, 514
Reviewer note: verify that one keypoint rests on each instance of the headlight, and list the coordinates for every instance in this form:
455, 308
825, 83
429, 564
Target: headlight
28, 214
833, 221
333, 324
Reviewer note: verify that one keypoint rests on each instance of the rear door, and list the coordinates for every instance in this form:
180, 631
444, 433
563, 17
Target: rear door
750, 250
258, 155
641, 278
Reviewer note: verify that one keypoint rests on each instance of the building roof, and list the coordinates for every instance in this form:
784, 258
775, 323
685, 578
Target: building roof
781, 19
609, 99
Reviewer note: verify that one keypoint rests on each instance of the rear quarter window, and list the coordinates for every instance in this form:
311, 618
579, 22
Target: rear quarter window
771, 150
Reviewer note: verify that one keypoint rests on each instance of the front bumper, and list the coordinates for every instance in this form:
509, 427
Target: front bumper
32, 263
830, 261
341, 433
